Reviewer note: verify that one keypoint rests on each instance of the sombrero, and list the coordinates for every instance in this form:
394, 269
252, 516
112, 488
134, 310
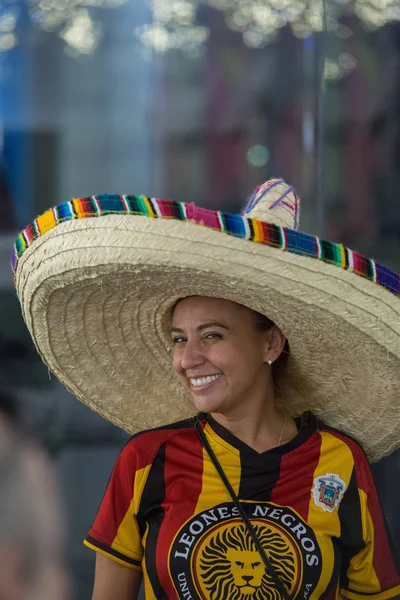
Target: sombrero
97, 278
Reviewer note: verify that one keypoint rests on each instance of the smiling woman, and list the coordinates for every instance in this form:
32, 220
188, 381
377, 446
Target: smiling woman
223, 357
244, 480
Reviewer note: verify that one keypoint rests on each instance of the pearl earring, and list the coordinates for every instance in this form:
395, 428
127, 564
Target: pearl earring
269, 362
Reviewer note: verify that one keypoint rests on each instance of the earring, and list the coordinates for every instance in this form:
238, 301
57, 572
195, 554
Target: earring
269, 362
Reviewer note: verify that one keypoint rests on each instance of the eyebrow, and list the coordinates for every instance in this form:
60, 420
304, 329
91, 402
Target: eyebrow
201, 327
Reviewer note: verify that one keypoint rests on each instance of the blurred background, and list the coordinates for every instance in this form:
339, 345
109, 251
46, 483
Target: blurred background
196, 101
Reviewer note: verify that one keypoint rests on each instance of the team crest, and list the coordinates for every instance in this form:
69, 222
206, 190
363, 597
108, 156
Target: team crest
328, 491
230, 566
213, 555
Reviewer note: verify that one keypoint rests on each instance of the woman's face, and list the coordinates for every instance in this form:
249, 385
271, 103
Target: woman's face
218, 354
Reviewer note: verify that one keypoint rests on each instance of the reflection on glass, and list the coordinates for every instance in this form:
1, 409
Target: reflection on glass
197, 101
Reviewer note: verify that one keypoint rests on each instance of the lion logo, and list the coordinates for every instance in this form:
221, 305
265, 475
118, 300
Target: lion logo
230, 566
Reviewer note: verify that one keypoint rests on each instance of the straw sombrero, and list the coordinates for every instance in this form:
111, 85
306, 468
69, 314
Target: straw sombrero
97, 278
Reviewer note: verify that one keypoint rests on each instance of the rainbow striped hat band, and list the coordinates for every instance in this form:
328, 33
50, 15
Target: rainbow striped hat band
242, 226
95, 275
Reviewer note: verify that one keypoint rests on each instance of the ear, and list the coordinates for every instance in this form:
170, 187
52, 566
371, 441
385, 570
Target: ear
275, 342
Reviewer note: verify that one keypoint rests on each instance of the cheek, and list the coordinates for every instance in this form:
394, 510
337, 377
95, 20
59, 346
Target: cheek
233, 361
176, 363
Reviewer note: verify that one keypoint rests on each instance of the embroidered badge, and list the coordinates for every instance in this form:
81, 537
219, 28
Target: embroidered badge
328, 491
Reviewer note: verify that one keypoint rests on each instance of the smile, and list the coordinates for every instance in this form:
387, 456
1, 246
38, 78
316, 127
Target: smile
203, 382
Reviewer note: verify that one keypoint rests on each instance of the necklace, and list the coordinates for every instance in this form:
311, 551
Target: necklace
283, 429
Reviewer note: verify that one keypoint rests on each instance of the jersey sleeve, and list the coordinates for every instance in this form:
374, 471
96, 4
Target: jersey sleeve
115, 531
371, 572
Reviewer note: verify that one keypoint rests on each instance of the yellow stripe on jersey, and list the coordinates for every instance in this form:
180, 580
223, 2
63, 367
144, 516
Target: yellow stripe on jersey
335, 455
361, 573
112, 556
388, 595
213, 491
128, 539
140, 481
148, 588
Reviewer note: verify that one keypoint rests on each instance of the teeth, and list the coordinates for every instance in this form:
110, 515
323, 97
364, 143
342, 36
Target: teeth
204, 380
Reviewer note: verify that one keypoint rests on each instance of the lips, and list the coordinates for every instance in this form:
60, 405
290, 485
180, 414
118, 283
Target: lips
202, 383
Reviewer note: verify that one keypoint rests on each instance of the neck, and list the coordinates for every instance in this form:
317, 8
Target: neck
260, 429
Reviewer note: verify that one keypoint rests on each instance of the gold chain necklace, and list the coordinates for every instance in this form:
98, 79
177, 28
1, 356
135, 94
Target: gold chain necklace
283, 429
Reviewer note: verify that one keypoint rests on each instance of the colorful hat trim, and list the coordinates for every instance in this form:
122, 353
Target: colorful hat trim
236, 225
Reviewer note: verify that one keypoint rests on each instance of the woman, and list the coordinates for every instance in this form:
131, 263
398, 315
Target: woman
243, 501
31, 564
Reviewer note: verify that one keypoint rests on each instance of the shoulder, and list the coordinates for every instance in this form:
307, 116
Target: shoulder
341, 437
341, 442
343, 454
144, 445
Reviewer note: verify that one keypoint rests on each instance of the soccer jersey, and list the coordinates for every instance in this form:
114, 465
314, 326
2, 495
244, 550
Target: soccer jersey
311, 501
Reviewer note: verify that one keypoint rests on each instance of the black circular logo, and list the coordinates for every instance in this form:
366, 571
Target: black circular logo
213, 556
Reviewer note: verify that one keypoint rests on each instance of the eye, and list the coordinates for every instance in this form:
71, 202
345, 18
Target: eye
212, 336
239, 564
178, 340
256, 564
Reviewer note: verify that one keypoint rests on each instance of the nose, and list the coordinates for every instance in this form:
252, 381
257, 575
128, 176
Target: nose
191, 355
247, 578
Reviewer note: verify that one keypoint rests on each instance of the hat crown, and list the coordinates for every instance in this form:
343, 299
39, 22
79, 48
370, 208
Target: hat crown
276, 202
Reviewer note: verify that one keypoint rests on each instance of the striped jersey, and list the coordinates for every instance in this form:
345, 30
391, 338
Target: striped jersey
312, 502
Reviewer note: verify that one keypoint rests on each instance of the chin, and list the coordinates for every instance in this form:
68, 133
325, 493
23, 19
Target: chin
208, 405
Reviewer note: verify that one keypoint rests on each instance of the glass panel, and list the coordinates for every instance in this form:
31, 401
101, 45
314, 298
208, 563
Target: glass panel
197, 101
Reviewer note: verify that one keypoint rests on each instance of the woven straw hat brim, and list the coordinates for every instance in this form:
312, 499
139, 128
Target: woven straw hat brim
97, 295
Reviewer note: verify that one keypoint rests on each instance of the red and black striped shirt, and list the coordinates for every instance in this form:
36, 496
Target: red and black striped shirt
312, 502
